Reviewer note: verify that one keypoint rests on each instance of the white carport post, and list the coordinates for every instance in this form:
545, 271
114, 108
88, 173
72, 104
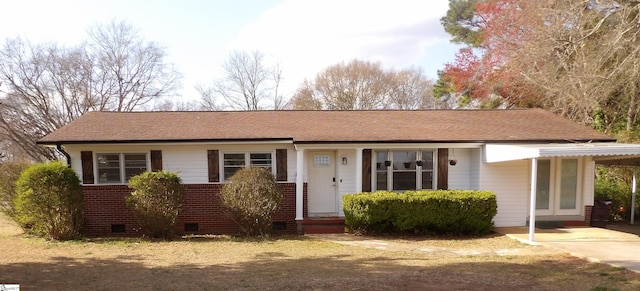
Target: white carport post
633, 194
532, 203
299, 187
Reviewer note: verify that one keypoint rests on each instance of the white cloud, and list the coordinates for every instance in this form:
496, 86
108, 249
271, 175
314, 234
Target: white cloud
307, 36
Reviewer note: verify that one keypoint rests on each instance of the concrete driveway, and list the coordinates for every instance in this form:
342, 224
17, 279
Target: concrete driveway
608, 246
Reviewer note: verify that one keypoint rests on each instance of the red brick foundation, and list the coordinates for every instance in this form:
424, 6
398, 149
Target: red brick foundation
106, 213
587, 215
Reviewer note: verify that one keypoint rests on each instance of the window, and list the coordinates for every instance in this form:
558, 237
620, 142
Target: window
118, 167
568, 184
236, 161
543, 184
404, 170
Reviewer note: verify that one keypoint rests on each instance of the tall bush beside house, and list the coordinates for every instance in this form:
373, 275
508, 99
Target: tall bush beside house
49, 201
250, 198
9, 174
156, 200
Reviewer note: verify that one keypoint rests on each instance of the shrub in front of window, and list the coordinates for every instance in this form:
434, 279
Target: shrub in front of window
250, 197
156, 200
457, 212
9, 174
49, 201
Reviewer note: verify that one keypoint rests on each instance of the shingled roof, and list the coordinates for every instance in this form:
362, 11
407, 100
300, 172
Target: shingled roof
526, 125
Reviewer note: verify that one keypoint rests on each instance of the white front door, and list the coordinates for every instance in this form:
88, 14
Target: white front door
322, 184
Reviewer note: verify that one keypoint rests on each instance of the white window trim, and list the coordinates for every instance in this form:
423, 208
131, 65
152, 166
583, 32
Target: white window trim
96, 175
247, 161
418, 169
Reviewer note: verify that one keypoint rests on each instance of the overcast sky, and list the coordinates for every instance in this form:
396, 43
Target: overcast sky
304, 36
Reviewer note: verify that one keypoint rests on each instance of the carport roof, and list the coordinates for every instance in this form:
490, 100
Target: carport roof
603, 153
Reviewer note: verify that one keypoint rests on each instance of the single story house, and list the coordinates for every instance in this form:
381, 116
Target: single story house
535, 161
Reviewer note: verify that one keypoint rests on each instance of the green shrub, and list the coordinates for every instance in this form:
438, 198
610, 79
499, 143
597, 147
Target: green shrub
156, 200
441, 212
49, 201
250, 197
9, 174
614, 183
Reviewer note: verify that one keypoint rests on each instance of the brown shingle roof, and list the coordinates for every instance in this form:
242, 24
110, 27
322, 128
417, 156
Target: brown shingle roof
325, 126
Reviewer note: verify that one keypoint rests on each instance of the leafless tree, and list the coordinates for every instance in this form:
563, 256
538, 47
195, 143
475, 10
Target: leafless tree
45, 86
585, 57
249, 83
362, 85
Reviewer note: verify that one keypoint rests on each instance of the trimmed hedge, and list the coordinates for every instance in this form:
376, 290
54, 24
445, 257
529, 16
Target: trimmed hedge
458, 212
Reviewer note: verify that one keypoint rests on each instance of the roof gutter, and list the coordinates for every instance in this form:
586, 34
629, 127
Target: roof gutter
61, 150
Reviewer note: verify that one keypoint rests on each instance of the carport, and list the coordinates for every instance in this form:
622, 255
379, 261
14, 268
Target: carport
601, 153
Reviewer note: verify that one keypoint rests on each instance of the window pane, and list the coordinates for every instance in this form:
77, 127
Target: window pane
234, 159
381, 180
404, 161
134, 164
569, 184
108, 168
543, 184
427, 180
404, 180
233, 163
229, 171
260, 160
427, 158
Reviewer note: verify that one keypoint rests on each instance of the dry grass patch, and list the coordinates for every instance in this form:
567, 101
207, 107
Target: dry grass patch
294, 263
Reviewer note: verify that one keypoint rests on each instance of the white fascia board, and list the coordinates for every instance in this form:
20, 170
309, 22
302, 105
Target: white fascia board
412, 146
511, 152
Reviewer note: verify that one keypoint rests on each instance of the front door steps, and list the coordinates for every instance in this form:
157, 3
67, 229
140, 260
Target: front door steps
317, 225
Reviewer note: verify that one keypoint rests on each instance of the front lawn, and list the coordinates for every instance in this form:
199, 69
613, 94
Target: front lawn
292, 263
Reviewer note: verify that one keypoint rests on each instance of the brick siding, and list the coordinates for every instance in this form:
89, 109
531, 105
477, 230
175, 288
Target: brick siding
105, 206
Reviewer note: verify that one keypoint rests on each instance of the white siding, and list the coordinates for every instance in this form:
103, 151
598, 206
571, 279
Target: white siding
346, 175
510, 182
475, 160
189, 161
459, 175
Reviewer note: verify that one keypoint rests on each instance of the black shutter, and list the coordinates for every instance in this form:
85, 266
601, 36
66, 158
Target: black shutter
443, 169
366, 170
281, 164
213, 163
87, 167
156, 161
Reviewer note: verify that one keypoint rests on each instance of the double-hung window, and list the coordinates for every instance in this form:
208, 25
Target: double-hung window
116, 168
404, 170
236, 161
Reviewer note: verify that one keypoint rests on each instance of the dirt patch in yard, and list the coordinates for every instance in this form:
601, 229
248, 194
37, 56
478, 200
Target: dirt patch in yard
292, 263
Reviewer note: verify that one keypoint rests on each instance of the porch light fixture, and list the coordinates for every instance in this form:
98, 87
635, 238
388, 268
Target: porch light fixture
344, 160
387, 163
419, 162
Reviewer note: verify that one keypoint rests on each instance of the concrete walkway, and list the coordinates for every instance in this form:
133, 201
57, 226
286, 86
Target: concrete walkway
613, 247
607, 246
426, 248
